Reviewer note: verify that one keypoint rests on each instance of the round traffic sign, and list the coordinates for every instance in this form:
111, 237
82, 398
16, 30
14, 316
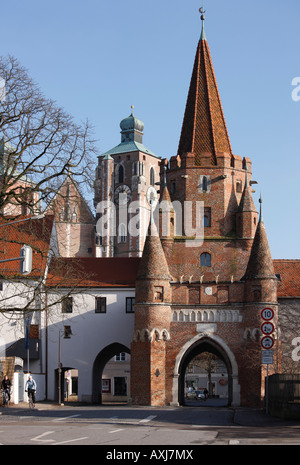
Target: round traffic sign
267, 327
267, 314
267, 342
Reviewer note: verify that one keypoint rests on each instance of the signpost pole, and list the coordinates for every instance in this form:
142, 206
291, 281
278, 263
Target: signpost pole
267, 342
267, 393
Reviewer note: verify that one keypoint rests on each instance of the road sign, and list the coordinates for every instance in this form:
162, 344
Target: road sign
267, 342
267, 327
267, 314
267, 357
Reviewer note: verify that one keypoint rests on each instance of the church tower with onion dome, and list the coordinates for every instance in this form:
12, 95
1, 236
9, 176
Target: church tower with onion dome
125, 185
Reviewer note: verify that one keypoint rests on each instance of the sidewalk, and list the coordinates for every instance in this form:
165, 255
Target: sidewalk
244, 416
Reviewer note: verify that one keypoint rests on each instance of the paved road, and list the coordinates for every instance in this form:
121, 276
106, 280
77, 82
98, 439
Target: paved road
189, 426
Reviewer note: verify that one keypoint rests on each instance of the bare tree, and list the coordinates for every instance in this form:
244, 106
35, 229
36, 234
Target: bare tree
41, 143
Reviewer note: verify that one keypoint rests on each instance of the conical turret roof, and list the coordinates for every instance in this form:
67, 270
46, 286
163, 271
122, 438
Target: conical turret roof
260, 265
153, 263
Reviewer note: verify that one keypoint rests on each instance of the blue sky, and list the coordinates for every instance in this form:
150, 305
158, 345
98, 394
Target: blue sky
97, 58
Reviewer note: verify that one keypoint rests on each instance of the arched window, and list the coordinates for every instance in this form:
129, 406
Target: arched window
152, 176
120, 174
205, 259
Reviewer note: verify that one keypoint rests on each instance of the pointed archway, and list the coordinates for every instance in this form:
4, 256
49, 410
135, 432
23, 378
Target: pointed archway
100, 361
206, 343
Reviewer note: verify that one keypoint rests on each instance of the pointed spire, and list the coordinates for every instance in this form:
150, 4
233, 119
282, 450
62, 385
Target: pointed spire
246, 203
153, 263
204, 128
165, 195
260, 263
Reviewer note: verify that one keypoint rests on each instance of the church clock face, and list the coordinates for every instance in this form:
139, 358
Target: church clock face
151, 196
122, 194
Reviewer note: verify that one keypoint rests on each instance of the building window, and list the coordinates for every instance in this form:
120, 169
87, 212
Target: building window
152, 176
120, 174
130, 301
205, 259
207, 217
239, 186
67, 305
158, 294
120, 357
135, 168
204, 183
100, 305
67, 332
120, 386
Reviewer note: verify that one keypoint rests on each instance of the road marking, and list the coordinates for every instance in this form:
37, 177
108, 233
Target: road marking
39, 438
66, 418
234, 442
114, 418
70, 440
145, 420
116, 430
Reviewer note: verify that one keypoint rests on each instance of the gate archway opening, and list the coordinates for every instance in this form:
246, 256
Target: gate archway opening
200, 346
99, 364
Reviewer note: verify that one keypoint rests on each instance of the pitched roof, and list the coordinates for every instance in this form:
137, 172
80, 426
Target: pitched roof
16, 232
289, 282
204, 127
92, 272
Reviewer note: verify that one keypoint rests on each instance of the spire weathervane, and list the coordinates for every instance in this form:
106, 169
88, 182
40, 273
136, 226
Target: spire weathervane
202, 11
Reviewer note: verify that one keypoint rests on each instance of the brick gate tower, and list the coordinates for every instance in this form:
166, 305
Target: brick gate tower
203, 292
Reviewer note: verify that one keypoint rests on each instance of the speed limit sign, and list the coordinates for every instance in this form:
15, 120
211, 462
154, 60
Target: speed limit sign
267, 314
267, 327
267, 342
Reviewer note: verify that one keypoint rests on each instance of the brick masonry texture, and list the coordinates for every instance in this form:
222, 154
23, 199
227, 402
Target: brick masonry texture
214, 306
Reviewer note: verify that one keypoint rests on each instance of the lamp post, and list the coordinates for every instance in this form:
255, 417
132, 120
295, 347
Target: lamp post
59, 368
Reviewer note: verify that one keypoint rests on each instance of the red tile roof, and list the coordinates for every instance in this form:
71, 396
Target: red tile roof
204, 127
289, 284
122, 272
92, 272
14, 234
